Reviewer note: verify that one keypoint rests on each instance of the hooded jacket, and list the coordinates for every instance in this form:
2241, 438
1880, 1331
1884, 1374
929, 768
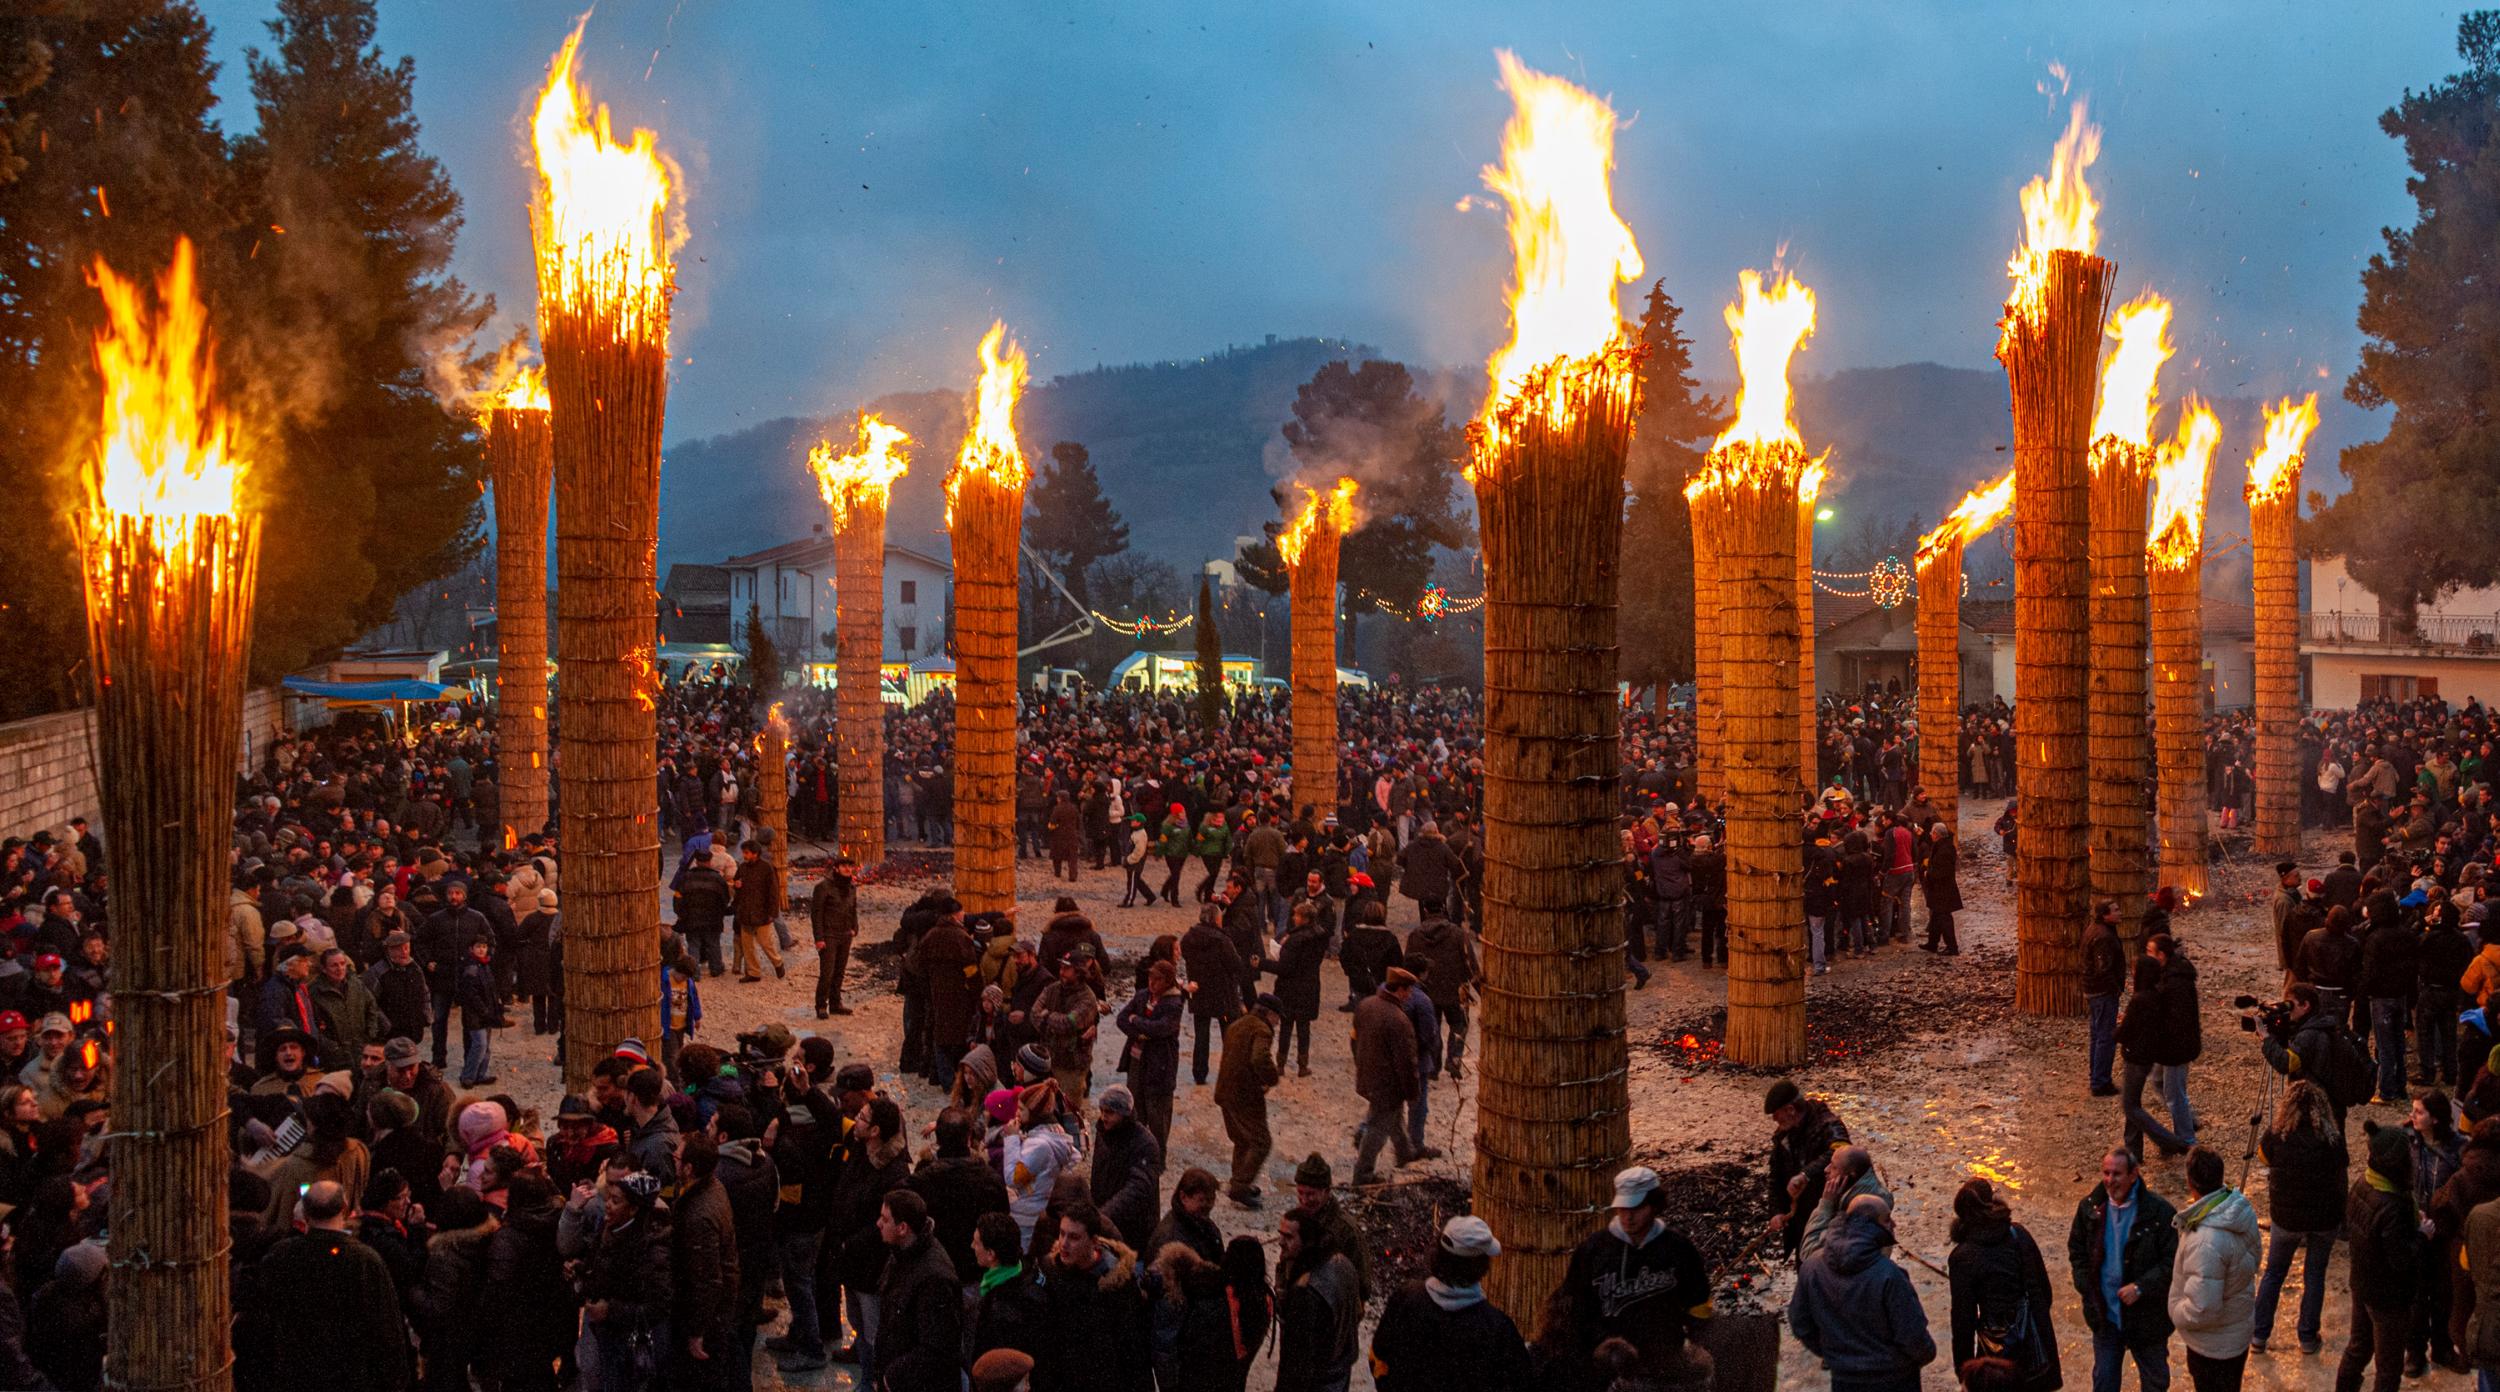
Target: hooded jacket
1095, 1338
1854, 1307
2213, 1280
920, 1312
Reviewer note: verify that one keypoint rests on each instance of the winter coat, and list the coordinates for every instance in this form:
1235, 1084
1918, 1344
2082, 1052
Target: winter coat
1030, 1161
1428, 868
401, 993
339, 1314
833, 909
2386, 1245
1367, 954
703, 1254
1939, 875
1064, 934
1152, 1058
920, 1311
1420, 1346
2482, 1260
350, 1019
628, 1267
1297, 967
1066, 1017
869, 1174
2104, 961
527, 1307
1385, 1068
2305, 1180
757, 896
1992, 1274
947, 957
2145, 1262
1854, 1308
2390, 958
1125, 1181
1095, 1338
2482, 975
958, 1189
1247, 1067
2213, 1281
2181, 1036
450, 1304
1317, 1323
1452, 952
1216, 968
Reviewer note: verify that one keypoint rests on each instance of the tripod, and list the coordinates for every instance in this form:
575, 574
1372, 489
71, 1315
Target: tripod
2266, 1090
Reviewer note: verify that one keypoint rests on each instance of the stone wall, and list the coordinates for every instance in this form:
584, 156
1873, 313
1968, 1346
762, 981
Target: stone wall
47, 764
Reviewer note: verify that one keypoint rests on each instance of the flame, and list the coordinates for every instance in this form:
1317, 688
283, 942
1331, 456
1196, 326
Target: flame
87, 1054
2178, 522
1975, 516
864, 476
167, 449
1698, 486
1767, 326
2059, 213
527, 391
1335, 507
80, 1012
1810, 483
1568, 248
2131, 375
990, 445
2275, 470
599, 209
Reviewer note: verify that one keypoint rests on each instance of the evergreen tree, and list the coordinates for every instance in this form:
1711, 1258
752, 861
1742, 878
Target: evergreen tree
1210, 659
376, 487
763, 654
1068, 522
1669, 442
108, 152
2431, 309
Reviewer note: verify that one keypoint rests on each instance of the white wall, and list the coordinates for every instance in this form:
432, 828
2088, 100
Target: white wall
2335, 678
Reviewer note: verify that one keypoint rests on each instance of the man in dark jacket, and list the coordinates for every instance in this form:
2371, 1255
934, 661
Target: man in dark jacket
1241, 1086
1095, 1338
946, 955
1386, 1074
2104, 977
1854, 1307
2390, 967
1634, 1279
1940, 879
1447, 1335
703, 910
756, 901
357, 1341
1217, 976
703, 1259
2386, 1262
1126, 1181
958, 1187
920, 1304
1428, 870
1452, 952
448, 934
833, 915
1369, 952
2120, 1251
1805, 1135
399, 987
753, 1183
2181, 1036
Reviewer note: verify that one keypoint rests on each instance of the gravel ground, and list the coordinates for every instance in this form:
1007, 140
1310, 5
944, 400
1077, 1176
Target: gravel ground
1924, 1058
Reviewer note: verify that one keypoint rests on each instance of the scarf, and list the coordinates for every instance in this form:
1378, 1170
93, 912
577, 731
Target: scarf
2197, 1211
1453, 1298
2381, 1182
998, 1276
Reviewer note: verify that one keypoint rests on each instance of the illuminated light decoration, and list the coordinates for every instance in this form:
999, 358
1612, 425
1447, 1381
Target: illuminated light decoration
2273, 493
1889, 584
1434, 603
2118, 757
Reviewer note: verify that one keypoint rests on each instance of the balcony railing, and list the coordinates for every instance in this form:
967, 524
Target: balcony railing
2467, 632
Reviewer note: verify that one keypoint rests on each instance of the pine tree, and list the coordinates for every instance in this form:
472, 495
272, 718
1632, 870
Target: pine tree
763, 654
109, 152
376, 487
1068, 522
1655, 622
2431, 309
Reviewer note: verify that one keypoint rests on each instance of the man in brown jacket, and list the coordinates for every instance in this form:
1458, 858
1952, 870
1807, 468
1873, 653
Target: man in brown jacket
833, 915
1242, 1077
1066, 1015
1385, 1073
948, 957
758, 905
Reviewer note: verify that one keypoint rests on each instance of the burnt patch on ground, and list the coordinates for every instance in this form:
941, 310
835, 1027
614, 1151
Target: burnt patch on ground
1401, 1222
1862, 1014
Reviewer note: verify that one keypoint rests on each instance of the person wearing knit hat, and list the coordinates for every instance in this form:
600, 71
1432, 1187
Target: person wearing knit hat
1002, 1370
1441, 1331
1315, 1193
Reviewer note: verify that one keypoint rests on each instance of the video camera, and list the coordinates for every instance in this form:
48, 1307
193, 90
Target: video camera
2275, 1015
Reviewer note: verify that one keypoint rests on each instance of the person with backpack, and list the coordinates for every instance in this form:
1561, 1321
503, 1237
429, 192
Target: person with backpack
2313, 1043
2000, 1292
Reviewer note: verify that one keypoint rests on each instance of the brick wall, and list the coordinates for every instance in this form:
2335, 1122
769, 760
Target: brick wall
47, 764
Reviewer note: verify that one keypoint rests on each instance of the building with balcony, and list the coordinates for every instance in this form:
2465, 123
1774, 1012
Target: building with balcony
791, 588
2356, 652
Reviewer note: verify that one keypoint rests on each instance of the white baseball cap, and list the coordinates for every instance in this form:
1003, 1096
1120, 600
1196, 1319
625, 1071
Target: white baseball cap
1469, 1237
1634, 1186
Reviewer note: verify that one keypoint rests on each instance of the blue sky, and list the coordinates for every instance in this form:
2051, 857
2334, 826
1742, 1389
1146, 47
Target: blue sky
867, 185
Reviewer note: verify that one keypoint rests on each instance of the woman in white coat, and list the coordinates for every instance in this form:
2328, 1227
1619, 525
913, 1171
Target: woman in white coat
2213, 1282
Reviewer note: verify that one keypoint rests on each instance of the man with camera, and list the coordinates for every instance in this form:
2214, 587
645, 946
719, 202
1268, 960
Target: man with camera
2306, 1040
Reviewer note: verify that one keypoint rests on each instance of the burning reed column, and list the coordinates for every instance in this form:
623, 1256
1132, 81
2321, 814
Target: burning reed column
1309, 549
2120, 754
2177, 556
985, 512
1940, 643
1809, 738
170, 570
1755, 468
856, 487
2050, 343
519, 451
1552, 1105
772, 789
2273, 517
1701, 496
603, 291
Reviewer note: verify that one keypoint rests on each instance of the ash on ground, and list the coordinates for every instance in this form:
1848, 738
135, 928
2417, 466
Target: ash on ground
1850, 1019
1402, 1223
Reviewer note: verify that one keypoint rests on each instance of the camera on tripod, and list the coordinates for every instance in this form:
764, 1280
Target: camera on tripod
2274, 1015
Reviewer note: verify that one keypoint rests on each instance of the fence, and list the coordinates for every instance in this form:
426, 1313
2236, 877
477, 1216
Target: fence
2468, 632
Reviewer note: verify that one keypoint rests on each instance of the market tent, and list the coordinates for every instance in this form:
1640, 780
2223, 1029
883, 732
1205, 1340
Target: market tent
405, 689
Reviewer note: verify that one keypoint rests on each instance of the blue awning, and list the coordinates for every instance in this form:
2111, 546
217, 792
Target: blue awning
405, 689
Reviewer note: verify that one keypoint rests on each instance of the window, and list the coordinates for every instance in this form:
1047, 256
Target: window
2378, 686
908, 592
907, 636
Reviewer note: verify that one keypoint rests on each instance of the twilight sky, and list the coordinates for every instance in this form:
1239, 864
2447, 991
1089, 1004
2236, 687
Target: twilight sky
866, 185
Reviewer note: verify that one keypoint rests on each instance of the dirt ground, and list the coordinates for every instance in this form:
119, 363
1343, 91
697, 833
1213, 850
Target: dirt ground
1923, 1057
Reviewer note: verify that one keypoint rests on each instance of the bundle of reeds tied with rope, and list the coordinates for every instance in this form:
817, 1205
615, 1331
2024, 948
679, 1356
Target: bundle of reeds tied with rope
520, 456
2049, 342
985, 514
2120, 752
170, 570
772, 789
1755, 468
2273, 492
1939, 630
856, 488
1701, 498
1547, 459
603, 297
1309, 546
2176, 551
1809, 717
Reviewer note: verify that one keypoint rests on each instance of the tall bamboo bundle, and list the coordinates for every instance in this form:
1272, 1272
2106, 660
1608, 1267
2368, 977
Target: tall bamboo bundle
2273, 492
1809, 735
1709, 723
1755, 469
520, 454
170, 571
1309, 549
2050, 343
985, 513
772, 788
1939, 629
1553, 1116
603, 293
856, 487
2120, 744
2177, 555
